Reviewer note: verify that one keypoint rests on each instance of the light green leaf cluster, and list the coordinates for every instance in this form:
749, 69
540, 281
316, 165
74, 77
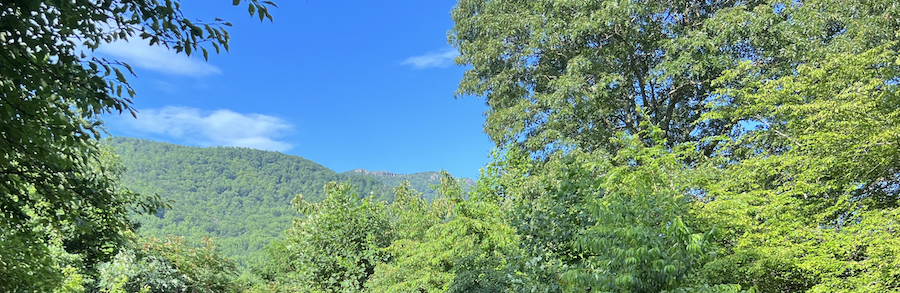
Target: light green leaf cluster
788, 108
458, 244
168, 265
338, 242
455, 243
639, 241
814, 197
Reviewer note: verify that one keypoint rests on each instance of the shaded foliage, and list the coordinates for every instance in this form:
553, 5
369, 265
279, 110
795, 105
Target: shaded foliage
55, 180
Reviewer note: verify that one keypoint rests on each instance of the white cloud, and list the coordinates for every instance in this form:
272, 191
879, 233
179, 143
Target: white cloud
165, 86
215, 128
442, 58
139, 53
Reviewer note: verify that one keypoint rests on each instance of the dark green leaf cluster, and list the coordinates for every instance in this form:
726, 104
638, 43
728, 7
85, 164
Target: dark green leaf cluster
62, 207
574, 73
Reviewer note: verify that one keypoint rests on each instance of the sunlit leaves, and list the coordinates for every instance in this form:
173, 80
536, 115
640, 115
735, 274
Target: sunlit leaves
640, 241
337, 243
168, 265
562, 74
794, 104
457, 243
811, 190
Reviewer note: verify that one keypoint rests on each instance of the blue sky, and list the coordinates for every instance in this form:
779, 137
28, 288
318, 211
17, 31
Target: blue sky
347, 84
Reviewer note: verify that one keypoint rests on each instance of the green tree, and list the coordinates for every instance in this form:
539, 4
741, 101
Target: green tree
458, 243
52, 168
45, 242
592, 221
168, 265
574, 73
795, 101
643, 238
813, 202
337, 243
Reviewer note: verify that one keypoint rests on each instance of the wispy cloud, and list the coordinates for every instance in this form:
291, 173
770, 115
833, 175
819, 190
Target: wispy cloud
165, 86
441, 58
215, 128
139, 53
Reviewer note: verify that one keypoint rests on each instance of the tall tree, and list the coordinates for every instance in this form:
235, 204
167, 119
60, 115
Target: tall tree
52, 95
573, 73
794, 100
558, 74
812, 200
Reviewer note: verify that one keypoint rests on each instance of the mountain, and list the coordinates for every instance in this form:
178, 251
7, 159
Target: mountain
241, 197
421, 182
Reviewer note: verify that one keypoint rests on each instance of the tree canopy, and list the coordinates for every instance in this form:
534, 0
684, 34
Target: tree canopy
791, 105
642, 146
55, 176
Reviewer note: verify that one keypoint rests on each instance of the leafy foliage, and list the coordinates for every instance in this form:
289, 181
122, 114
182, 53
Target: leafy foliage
643, 146
814, 198
791, 105
45, 240
642, 239
455, 244
574, 73
340, 240
591, 221
56, 179
169, 265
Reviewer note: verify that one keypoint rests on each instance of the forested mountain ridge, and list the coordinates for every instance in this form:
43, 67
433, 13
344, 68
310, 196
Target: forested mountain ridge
241, 197
421, 181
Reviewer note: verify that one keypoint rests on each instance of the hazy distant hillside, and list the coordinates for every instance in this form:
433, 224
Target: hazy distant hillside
239, 196
421, 182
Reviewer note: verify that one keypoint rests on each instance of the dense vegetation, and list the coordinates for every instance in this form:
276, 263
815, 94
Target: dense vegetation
642, 146
239, 196
422, 181
64, 209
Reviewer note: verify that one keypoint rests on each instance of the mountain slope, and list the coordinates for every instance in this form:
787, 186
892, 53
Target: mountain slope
239, 196
421, 182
